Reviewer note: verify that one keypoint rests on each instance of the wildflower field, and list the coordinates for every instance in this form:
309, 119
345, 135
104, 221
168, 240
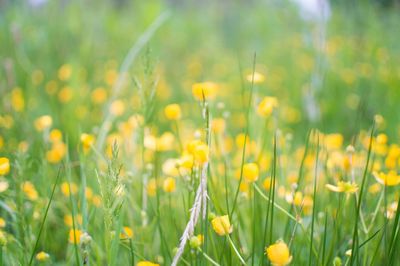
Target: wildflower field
199, 132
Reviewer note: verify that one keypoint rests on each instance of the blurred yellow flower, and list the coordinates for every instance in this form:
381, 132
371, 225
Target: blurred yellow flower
169, 184
389, 179
196, 241
201, 153
65, 188
267, 106
208, 89
2, 223
68, 220
256, 77
341, 186
65, 71
29, 189
250, 172
74, 236
4, 166
117, 108
87, 141
333, 141
17, 100
152, 187
221, 225
279, 254
173, 112
43, 122
218, 125
99, 95
42, 256
126, 233
146, 263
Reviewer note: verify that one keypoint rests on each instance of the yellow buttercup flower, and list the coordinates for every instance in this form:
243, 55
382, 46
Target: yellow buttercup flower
127, 232
75, 236
333, 141
208, 89
218, 125
87, 141
99, 95
279, 254
173, 112
4, 166
42, 256
169, 185
201, 153
346, 187
43, 122
221, 225
389, 179
17, 100
65, 71
267, 106
65, 188
250, 172
256, 77
68, 220
151, 187
29, 189
2, 223
146, 263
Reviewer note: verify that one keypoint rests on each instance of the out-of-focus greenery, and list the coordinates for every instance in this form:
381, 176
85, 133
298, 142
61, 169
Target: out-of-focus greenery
61, 60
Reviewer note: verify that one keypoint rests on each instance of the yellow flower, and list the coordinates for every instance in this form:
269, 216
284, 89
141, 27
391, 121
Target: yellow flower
279, 254
43, 122
146, 263
4, 166
346, 187
29, 189
196, 241
152, 187
17, 100
389, 179
42, 256
250, 172
218, 125
2, 223
127, 232
117, 108
222, 225
208, 89
256, 77
169, 184
267, 106
55, 135
99, 95
65, 188
201, 153
87, 141
68, 220
56, 153
65, 71
74, 236
333, 141
267, 183
173, 111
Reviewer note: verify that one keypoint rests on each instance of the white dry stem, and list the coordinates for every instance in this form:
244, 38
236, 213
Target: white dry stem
198, 205
127, 63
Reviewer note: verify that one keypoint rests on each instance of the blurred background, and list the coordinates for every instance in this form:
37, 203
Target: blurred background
332, 64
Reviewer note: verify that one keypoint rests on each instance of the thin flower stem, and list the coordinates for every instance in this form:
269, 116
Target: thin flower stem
275, 204
209, 258
236, 251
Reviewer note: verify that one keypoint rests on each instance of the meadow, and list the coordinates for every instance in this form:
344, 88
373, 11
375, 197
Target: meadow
199, 133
